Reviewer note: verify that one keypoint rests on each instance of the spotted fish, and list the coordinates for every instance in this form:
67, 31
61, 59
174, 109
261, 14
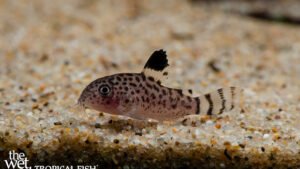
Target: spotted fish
141, 95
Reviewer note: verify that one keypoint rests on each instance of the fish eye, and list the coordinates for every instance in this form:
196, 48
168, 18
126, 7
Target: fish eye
104, 90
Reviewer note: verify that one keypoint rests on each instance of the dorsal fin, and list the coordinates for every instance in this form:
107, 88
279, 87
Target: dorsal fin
156, 65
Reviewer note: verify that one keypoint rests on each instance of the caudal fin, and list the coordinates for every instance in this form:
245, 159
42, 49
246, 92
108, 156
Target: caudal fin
219, 101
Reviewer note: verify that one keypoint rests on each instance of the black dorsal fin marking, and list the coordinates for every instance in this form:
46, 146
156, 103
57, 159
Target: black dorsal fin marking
158, 61
156, 65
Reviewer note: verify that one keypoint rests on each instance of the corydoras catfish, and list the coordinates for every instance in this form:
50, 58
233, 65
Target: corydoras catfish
142, 96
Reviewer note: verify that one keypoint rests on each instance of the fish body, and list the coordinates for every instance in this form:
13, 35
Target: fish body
141, 95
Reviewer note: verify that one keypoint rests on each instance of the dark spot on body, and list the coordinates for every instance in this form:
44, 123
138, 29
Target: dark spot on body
137, 79
143, 76
133, 84
155, 87
153, 96
126, 88
164, 103
111, 81
164, 92
146, 91
124, 83
132, 92
151, 78
137, 91
118, 78
127, 101
165, 73
130, 79
179, 92
149, 85
170, 91
190, 91
188, 106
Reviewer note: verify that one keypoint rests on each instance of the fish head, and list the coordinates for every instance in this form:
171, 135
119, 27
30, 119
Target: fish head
100, 95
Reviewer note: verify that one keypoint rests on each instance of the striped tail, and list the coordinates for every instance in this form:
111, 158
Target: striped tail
219, 101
